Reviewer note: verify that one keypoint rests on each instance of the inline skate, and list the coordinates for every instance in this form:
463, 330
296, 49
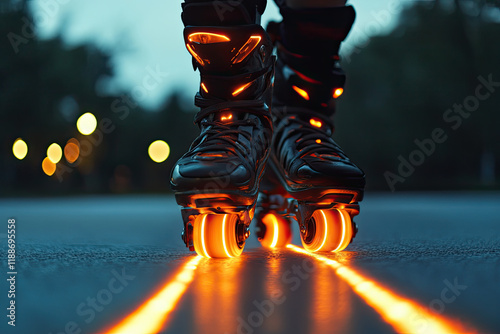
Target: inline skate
216, 182
309, 178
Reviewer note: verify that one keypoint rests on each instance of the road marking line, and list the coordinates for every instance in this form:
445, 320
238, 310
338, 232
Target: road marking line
405, 315
152, 315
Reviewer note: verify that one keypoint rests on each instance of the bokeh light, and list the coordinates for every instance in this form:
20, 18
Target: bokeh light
48, 167
20, 149
86, 124
54, 153
72, 150
74, 141
159, 151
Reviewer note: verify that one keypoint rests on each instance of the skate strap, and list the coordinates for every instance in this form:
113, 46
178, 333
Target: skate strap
303, 114
225, 86
210, 106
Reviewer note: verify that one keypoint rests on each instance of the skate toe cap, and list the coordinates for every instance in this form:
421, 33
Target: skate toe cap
208, 177
330, 173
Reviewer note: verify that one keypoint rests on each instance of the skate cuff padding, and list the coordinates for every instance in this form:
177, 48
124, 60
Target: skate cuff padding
312, 31
236, 63
222, 13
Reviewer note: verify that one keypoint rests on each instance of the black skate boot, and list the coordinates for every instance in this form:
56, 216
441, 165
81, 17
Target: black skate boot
217, 181
323, 185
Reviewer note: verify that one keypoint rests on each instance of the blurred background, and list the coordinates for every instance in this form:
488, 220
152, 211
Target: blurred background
97, 96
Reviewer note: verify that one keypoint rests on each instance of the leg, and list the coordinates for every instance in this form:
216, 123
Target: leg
222, 13
324, 184
216, 181
315, 3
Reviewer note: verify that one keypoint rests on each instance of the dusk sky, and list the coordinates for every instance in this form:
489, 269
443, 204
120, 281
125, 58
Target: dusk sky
148, 34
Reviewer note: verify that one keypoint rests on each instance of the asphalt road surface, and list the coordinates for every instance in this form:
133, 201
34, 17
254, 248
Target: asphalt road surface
421, 262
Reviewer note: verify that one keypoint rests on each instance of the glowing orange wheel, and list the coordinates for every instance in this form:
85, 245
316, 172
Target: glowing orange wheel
214, 235
278, 231
328, 231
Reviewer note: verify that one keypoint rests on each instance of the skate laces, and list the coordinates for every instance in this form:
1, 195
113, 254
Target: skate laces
234, 130
227, 133
218, 133
313, 134
212, 105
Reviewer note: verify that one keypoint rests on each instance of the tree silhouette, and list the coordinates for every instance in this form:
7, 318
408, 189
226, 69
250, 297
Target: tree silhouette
45, 86
399, 88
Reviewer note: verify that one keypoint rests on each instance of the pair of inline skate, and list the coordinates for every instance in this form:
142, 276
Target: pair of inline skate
265, 151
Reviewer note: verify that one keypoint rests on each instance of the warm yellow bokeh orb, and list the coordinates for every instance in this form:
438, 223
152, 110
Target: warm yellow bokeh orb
71, 152
86, 124
48, 167
20, 149
54, 153
159, 151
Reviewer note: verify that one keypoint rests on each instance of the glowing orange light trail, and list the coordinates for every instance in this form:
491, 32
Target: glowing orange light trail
342, 241
246, 49
195, 55
151, 316
271, 220
241, 88
326, 229
276, 232
301, 92
405, 315
315, 122
224, 236
204, 87
226, 117
337, 92
203, 236
207, 38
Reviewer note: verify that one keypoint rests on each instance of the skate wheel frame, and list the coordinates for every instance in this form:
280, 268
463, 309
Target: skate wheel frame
278, 231
215, 235
328, 231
